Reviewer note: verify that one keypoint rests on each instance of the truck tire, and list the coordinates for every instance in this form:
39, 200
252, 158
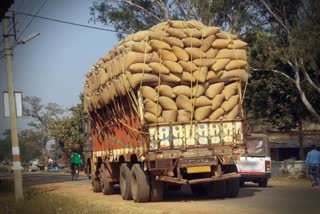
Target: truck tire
125, 182
140, 186
233, 187
157, 189
217, 189
263, 183
107, 186
96, 186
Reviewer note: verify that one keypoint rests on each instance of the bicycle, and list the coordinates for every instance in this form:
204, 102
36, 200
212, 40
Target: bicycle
75, 171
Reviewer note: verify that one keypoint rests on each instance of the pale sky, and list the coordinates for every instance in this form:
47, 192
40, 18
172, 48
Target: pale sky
52, 65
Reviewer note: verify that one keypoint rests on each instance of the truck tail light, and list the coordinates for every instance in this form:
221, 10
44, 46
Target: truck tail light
267, 165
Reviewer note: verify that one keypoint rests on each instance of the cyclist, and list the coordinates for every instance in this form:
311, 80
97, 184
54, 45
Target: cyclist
75, 161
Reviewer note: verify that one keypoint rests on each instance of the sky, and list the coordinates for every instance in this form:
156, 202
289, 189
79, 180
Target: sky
52, 66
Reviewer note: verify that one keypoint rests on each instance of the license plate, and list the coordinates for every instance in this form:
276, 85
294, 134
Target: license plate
198, 169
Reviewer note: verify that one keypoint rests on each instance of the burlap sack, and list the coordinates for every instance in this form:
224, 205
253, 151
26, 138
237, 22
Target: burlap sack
136, 57
196, 24
225, 35
221, 43
158, 35
238, 73
230, 90
233, 113
230, 103
188, 66
212, 53
173, 67
173, 41
142, 47
182, 90
120, 86
211, 76
207, 42
214, 89
170, 78
165, 90
192, 42
203, 62
139, 78
201, 74
149, 93
232, 54
157, 44
217, 101
199, 89
150, 118
140, 35
140, 68
193, 32
158, 68
178, 24
220, 64
187, 77
183, 102
103, 76
202, 113
195, 53
167, 103
207, 31
201, 101
105, 95
235, 64
216, 114
152, 107
167, 55
237, 44
183, 116
169, 116
180, 53
178, 33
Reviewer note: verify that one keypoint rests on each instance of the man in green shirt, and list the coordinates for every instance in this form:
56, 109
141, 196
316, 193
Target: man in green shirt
75, 160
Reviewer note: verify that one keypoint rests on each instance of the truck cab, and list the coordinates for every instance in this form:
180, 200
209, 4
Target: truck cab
255, 164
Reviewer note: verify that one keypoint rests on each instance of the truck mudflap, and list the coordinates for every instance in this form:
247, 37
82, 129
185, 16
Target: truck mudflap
227, 176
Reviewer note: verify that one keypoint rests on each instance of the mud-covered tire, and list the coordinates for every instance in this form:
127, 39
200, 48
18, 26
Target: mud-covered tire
140, 185
107, 186
217, 189
96, 186
125, 182
233, 187
156, 189
263, 183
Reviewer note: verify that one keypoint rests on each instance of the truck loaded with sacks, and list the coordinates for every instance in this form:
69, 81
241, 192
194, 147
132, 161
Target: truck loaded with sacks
165, 109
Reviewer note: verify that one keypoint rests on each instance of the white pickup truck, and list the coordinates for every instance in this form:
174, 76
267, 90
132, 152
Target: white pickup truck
255, 164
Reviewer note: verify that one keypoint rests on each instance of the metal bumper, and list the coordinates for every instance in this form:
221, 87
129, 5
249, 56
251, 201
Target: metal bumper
250, 177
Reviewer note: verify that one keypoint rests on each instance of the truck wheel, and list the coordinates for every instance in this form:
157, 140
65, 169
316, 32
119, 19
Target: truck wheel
96, 185
263, 183
125, 182
233, 187
217, 189
140, 186
157, 189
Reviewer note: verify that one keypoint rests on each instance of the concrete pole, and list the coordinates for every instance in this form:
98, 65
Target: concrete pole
13, 123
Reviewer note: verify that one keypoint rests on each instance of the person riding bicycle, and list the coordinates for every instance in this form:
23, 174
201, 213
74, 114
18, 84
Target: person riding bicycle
75, 160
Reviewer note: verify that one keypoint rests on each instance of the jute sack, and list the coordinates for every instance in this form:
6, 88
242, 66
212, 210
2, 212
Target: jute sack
202, 112
212, 53
158, 68
139, 78
207, 42
201, 101
196, 24
150, 118
157, 44
240, 73
188, 66
180, 53
149, 93
136, 57
178, 33
183, 102
221, 43
165, 90
187, 77
217, 101
140, 68
182, 90
220, 64
173, 41
192, 42
232, 54
152, 107
170, 78
195, 53
214, 89
178, 24
216, 114
193, 32
103, 76
230, 90
120, 86
140, 35
230, 103
142, 47
167, 103
183, 116
199, 89
105, 95
173, 67
235, 64
237, 44
211, 76
169, 116
158, 35
207, 31
201, 74
167, 55
203, 62
233, 113
226, 35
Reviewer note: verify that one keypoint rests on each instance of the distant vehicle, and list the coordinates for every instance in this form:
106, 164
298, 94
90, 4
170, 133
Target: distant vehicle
255, 165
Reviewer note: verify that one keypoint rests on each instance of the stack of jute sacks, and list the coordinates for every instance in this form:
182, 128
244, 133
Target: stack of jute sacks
183, 70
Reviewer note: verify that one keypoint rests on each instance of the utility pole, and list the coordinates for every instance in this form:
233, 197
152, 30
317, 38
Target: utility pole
13, 122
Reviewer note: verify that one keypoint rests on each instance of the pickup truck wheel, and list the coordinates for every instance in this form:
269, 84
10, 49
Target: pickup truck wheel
233, 187
217, 189
125, 182
140, 186
157, 189
107, 186
263, 183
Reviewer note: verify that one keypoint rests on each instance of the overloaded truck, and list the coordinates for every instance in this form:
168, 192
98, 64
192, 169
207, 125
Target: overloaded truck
165, 109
